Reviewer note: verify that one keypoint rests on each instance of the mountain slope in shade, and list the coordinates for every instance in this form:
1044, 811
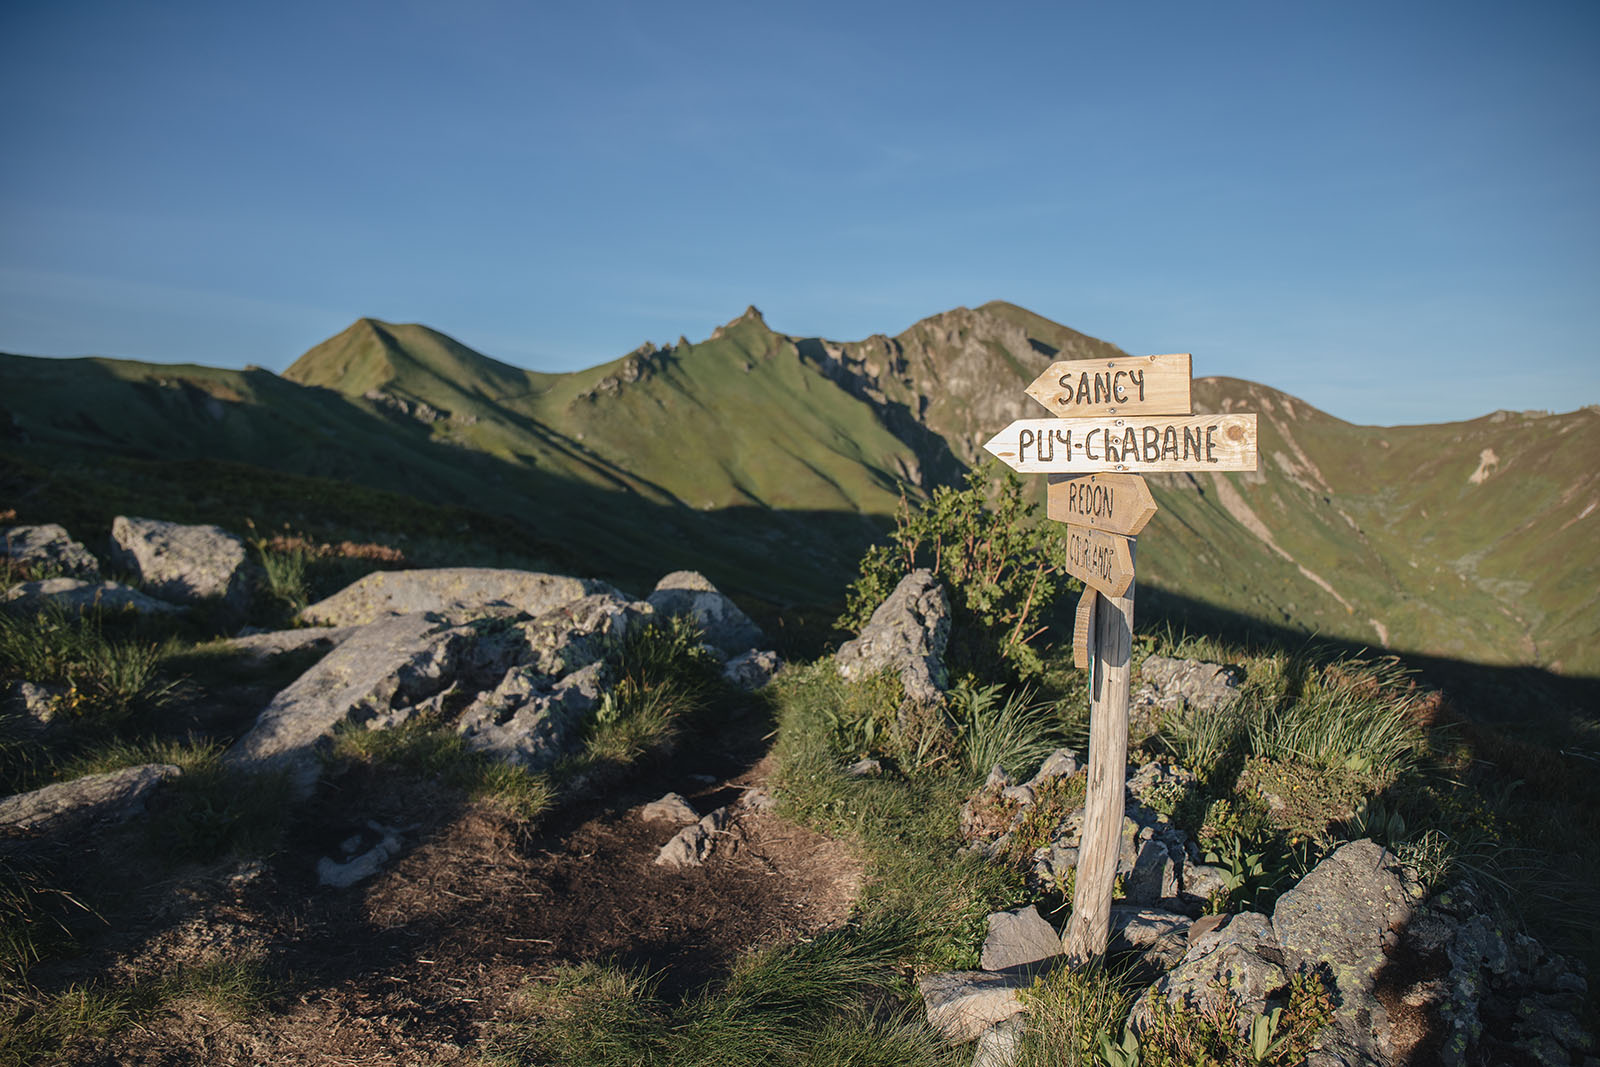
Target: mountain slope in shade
768, 461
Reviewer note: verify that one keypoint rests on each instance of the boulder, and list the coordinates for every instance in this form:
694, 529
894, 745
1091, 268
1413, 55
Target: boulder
961, 1005
48, 548
673, 808
1161, 937
1242, 960
1340, 919
112, 797
907, 634
690, 846
1174, 684
1019, 940
382, 671
751, 670
531, 719
689, 594
76, 596
576, 634
184, 564
454, 592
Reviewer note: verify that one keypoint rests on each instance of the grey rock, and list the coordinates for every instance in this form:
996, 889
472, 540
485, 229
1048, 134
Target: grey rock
531, 721
1202, 881
1173, 684
691, 846
382, 669
671, 808
1242, 960
48, 547
961, 1005
1161, 937
76, 596
864, 768
1062, 763
574, 635
454, 592
184, 564
342, 875
758, 800
112, 797
690, 594
907, 634
260, 648
751, 670
1339, 919
1001, 1044
34, 704
1019, 940
1154, 876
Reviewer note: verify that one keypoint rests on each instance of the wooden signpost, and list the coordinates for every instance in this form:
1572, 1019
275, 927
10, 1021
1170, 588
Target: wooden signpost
1116, 417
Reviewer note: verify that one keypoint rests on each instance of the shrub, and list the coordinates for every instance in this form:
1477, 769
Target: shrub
1002, 567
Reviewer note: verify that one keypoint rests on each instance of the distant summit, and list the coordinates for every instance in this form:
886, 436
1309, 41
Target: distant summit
408, 358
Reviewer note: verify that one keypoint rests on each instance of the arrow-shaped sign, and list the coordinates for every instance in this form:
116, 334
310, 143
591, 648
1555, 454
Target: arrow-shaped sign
1127, 385
1115, 503
1099, 560
1083, 630
1081, 446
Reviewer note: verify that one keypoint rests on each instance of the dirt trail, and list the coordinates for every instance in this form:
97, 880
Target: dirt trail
416, 964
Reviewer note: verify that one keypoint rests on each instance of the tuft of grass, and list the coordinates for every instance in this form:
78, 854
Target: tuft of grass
1010, 732
285, 576
108, 676
806, 1003
1069, 1010
423, 749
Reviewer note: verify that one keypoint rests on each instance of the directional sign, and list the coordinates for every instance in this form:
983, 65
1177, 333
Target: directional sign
1062, 446
1083, 630
1115, 503
1127, 385
1099, 560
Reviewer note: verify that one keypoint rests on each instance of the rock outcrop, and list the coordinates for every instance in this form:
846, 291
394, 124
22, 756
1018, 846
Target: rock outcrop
48, 548
112, 797
75, 596
691, 594
184, 564
907, 634
453, 592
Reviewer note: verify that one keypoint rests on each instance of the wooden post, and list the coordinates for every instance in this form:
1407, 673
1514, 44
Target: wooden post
1089, 928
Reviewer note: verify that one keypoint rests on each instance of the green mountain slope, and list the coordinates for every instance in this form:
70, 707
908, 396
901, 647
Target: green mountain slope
768, 461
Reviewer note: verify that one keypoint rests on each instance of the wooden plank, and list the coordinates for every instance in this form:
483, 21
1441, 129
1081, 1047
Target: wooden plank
1084, 446
1089, 929
1100, 560
1083, 631
1115, 503
1127, 385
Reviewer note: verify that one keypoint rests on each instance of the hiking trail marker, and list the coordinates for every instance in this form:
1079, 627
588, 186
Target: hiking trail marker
1114, 418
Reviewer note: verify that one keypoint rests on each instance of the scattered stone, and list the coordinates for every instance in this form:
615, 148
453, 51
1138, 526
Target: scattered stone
34, 704
453, 592
1242, 960
1161, 937
1062, 763
529, 720
864, 768
907, 634
337, 875
388, 667
961, 1005
48, 547
690, 594
758, 800
671, 808
751, 670
76, 596
184, 564
690, 846
999, 1045
1202, 881
1019, 940
112, 797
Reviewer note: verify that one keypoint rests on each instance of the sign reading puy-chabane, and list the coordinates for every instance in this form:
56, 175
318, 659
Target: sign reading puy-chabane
1114, 419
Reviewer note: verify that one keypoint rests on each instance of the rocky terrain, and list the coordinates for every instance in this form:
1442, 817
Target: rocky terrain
469, 780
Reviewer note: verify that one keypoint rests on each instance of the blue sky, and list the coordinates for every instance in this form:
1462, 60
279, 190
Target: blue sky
1390, 210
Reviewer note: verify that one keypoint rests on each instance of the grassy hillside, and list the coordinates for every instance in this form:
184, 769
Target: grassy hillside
769, 461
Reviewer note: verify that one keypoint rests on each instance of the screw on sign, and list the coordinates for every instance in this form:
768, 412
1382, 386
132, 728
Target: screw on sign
1114, 418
